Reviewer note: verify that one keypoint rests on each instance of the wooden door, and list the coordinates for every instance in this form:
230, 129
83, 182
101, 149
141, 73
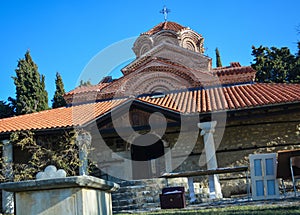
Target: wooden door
147, 156
263, 169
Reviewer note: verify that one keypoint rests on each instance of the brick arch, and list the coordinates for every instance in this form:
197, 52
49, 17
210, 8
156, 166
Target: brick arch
190, 45
153, 78
143, 44
191, 40
165, 36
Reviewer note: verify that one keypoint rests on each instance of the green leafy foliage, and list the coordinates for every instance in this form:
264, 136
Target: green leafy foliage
84, 83
31, 95
39, 152
58, 99
6, 110
274, 65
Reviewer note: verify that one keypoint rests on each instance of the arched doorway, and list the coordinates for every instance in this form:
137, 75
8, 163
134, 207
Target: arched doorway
147, 157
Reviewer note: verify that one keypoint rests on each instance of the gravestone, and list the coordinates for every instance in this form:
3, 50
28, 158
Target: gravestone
54, 193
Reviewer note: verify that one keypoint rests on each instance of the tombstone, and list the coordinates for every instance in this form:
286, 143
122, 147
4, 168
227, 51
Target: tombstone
54, 193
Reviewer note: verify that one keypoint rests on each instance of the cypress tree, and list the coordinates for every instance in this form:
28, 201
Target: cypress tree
58, 99
31, 95
85, 83
43, 95
218, 58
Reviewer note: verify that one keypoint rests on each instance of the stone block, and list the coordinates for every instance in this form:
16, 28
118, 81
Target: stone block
78, 195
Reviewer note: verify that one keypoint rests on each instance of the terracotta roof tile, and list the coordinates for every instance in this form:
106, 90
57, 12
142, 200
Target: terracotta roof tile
85, 89
198, 101
58, 118
228, 98
212, 104
251, 99
203, 101
264, 93
195, 101
172, 26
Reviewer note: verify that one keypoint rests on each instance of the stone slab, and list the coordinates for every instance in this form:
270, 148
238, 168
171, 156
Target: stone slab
66, 201
55, 183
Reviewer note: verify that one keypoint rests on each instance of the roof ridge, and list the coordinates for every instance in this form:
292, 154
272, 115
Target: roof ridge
34, 113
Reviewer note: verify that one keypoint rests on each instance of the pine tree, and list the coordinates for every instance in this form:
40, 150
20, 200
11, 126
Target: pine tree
275, 65
31, 95
294, 75
218, 58
58, 99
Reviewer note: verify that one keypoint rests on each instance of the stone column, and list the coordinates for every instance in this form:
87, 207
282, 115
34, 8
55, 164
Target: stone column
7, 197
207, 131
84, 140
168, 159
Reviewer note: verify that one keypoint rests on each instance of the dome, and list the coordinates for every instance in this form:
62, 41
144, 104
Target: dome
168, 33
171, 26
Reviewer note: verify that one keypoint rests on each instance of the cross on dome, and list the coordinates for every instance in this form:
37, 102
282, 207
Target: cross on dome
165, 11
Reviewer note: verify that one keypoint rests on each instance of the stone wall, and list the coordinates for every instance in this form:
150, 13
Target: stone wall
254, 135
264, 135
243, 136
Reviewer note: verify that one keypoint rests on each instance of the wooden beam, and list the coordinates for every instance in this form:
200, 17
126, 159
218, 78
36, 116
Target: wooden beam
205, 172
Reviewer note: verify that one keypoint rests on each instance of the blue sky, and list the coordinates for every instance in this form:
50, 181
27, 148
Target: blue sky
63, 36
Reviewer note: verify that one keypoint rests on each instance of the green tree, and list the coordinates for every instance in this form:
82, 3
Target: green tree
6, 110
294, 75
31, 95
84, 83
274, 65
58, 99
218, 58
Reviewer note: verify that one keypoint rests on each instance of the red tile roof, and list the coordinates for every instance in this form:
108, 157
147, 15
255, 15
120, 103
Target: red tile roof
235, 73
172, 26
187, 102
228, 98
59, 117
85, 89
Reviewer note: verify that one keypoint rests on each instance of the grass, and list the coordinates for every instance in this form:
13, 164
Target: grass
228, 210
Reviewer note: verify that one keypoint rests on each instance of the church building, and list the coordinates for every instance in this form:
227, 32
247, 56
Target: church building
171, 111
